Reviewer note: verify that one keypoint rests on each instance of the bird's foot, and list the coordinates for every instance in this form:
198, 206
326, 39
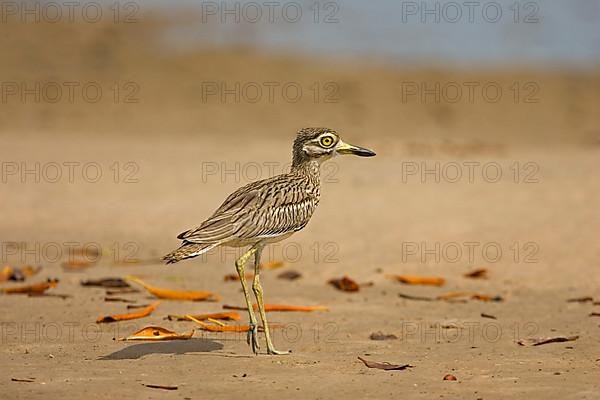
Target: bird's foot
252, 338
272, 351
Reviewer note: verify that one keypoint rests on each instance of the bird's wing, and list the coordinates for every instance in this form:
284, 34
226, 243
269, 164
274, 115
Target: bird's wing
261, 209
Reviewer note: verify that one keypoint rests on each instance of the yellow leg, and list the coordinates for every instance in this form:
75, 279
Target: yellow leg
258, 292
252, 337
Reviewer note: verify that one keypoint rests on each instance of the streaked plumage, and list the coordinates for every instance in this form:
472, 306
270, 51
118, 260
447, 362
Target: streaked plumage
269, 210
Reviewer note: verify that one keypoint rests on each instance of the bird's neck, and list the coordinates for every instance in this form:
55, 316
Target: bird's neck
310, 169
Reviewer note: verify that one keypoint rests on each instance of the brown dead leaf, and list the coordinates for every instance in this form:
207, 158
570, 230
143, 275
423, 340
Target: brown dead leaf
164, 387
386, 366
418, 280
490, 316
170, 294
280, 307
144, 312
272, 265
225, 316
76, 265
344, 284
157, 333
34, 289
463, 296
479, 273
112, 292
541, 341
106, 283
411, 297
594, 314
449, 377
6, 272
382, 336
290, 275
118, 299
586, 299
236, 277
27, 380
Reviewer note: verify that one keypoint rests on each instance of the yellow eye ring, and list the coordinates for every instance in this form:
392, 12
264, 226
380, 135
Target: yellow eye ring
326, 141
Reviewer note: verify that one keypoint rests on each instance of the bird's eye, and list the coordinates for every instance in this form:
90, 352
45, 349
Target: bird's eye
326, 141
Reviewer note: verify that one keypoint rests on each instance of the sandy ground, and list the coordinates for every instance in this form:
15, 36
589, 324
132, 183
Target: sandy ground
169, 160
369, 216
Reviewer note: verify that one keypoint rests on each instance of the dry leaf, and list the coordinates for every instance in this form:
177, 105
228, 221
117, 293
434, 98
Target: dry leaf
28, 380
382, 336
112, 292
37, 288
280, 307
480, 273
118, 299
106, 283
156, 333
449, 377
134, 315
471, 295
484, 315
594, 314
540, 341
411, 297
586, 299
132, 306
225, 316
227, 328
170, 294
236, 277
386, 366
290, 275
418, 280
344, 284
6, 273
272, 265
164, 387
76, 265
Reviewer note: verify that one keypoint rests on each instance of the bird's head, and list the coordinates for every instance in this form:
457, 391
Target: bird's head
320, 144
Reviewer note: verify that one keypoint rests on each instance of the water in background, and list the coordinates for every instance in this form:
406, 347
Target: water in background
560, 33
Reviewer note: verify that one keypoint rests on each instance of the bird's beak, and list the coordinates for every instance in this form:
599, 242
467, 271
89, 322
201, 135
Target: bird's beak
345, 148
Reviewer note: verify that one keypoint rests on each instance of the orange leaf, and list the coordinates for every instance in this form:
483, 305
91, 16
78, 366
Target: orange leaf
37, 288
170, 294
75, 265
236, 277
272, 265
226, 316
144, 312
227, 328
6, 272
345, 284
281, 307
419, 280
157, 333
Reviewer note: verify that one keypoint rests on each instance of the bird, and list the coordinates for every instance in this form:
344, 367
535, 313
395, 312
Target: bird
267, 211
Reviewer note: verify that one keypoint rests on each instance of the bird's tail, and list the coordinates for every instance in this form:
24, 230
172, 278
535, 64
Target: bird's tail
188, 250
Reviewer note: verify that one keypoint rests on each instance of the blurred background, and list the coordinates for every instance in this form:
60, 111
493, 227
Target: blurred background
179, 93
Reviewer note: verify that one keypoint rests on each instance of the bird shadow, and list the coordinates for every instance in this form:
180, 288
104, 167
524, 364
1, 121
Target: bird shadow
173, 347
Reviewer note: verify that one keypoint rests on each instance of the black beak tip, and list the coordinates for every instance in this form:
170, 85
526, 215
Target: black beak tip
366, 153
